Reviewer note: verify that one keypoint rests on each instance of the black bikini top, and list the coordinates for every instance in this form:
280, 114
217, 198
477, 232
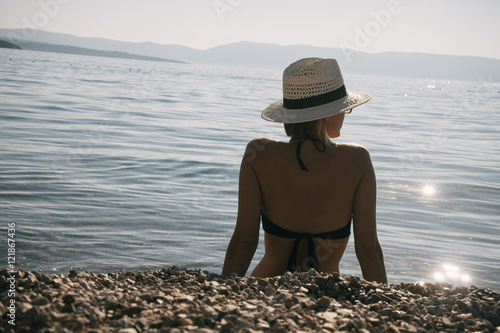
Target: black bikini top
315, 141
271, 228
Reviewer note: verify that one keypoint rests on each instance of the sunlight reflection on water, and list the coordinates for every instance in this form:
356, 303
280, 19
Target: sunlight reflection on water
429, 190
452, 274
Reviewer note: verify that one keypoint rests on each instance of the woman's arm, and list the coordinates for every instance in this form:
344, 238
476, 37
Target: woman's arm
245, 237
368, 249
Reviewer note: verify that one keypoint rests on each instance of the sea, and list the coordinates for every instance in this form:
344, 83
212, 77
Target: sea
110, 165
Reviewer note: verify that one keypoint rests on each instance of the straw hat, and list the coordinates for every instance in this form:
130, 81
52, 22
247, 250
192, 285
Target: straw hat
313, 88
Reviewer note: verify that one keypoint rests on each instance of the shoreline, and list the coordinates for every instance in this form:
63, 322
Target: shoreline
174, 299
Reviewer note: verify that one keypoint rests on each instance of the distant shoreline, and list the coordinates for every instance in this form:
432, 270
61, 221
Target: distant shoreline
8, 45
45, 47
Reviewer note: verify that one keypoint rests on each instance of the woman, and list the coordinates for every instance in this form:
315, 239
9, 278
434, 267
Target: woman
307, 190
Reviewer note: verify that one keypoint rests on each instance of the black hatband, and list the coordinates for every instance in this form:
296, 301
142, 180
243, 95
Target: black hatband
309, 102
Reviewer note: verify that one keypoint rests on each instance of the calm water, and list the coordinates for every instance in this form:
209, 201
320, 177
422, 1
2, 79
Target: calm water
111, 164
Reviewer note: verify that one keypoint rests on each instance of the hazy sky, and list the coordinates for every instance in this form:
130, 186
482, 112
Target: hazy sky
458, 27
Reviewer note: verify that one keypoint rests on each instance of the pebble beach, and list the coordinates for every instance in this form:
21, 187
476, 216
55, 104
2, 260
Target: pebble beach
174, 299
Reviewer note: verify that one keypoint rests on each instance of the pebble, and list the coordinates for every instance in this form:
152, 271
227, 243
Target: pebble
174, 299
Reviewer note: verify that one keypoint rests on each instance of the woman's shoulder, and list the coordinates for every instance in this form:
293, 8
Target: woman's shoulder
262, 141
352, 147
355, 152
259, 148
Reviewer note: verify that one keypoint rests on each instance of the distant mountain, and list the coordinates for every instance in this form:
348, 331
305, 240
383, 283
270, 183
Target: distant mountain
8, 45
249, 54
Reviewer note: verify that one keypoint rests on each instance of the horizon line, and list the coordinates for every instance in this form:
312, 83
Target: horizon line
247, 41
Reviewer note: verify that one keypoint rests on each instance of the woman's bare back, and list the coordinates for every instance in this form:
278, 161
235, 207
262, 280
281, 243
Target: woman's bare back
315, 201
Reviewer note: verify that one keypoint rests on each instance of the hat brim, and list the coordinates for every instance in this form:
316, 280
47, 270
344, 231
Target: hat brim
277, 113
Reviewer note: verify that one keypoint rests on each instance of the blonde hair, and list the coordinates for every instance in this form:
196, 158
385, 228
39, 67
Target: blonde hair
315, 129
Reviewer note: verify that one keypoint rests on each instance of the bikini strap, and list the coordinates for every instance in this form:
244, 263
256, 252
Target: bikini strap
299, 145
312, 255
297, 152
